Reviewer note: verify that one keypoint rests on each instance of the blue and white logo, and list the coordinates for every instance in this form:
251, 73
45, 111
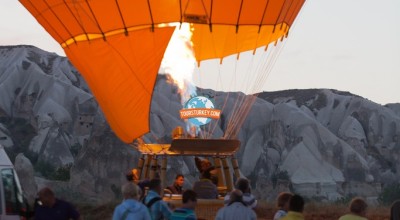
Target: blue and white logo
199, 106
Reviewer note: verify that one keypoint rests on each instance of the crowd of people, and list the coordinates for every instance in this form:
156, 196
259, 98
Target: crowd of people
239, 204
142, 200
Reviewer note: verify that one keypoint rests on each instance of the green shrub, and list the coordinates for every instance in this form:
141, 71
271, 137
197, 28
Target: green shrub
49, 172
389, 194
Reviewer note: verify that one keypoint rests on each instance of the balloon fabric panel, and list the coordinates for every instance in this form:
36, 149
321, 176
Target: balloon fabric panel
121, 73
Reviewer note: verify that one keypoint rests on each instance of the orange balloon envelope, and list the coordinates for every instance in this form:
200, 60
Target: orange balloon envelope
118, 45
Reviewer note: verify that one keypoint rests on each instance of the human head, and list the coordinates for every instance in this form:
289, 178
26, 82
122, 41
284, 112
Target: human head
46, 196
178, 132
206, 174
155, 185
236, 196
283, 200
129, 175
242, 184
358, 206
130, 191
395, 210
296, 203
179, 180
202, 164
189, 199
205, 164
132, 175
143, 184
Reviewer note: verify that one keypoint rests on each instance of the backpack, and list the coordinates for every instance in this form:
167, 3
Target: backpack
151, 202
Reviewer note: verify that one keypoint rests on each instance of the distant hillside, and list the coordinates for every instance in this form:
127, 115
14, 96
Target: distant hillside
321, 143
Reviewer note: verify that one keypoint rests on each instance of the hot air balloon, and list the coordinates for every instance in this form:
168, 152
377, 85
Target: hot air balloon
118, 45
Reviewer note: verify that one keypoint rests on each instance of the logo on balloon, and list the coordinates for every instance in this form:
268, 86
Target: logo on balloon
199, 111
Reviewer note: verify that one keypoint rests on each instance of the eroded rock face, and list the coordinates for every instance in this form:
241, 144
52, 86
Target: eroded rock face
24, 169
322, 143
100, 167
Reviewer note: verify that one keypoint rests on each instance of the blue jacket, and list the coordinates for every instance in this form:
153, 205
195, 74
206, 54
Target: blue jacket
160, 209
132, 210
183, 214
236, 211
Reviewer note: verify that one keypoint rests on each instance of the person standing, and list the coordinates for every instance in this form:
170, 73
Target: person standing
236, 209
186, 212
358, 210
395, 210
205, 188
283, 205
49, 207
243, 185
131, 208
176, 187
296, 207
158, 208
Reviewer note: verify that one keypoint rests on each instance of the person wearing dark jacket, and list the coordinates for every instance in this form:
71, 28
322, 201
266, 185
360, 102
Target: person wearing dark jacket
176, 187
395, 210
49, 207
205, 188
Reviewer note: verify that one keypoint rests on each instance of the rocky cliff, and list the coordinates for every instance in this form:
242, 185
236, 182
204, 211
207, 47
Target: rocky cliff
321, 143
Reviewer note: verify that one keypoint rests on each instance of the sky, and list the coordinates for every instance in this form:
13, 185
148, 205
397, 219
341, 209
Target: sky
345, 45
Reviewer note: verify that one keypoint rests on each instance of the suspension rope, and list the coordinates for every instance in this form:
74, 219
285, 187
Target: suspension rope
45, 20
122, 17
95, 19
76, 19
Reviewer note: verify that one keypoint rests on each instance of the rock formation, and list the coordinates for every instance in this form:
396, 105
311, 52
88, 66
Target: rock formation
320, 143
